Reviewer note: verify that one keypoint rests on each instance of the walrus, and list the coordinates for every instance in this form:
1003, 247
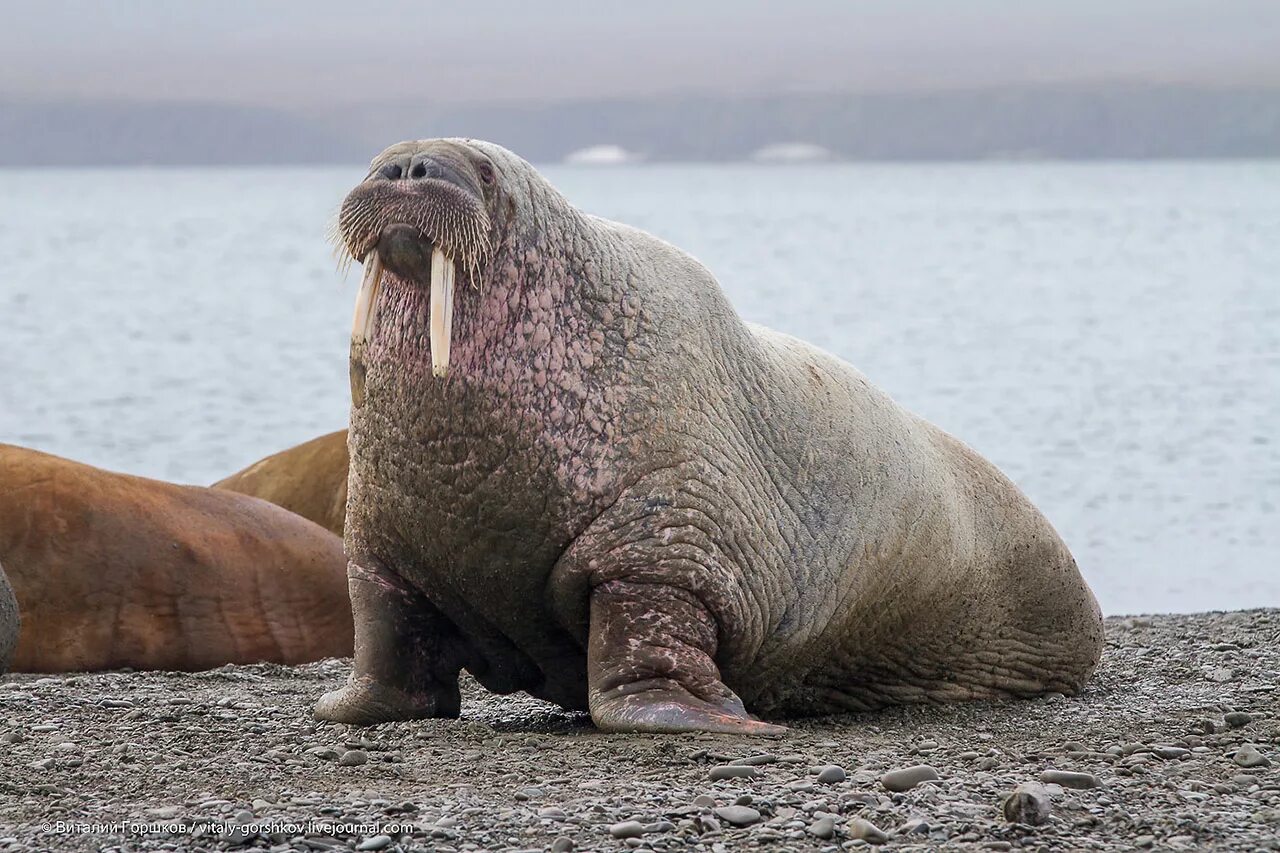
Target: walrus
114, 571
309, 480
9, 621
575, 471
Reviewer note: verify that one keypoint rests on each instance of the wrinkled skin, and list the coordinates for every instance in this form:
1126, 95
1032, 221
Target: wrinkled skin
9, 621
309, 480
116, 571
623, 498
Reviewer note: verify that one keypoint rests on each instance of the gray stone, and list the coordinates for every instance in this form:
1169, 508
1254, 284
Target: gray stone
738, 815
376, 842
627, 829
1028, 803
1070, 779
865, 830
1249, 756
1171, 752
755, 760
823, 827
831, 773
353, 758
906, 778
732, 771
562, 845
1238, 719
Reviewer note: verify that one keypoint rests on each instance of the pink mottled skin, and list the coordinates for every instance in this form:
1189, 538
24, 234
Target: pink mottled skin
625, 499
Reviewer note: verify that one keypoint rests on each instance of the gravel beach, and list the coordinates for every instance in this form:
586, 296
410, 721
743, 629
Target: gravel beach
1175, 744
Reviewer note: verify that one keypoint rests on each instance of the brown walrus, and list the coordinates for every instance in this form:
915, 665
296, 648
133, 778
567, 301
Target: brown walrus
309, 480
576, 471
9, 621
116, 571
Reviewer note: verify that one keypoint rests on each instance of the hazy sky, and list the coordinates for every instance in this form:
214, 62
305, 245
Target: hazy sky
325, 52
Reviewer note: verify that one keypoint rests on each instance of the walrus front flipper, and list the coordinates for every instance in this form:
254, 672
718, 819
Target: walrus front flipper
649, 666
408, 656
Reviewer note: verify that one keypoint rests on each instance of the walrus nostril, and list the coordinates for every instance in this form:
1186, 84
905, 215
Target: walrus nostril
392, 171
426, 167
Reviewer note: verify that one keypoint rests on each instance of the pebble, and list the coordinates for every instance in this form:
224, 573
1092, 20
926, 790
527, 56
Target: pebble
627, 829
1070, 779
754, 760
831, 773
376, 842
1171, 752
1238, 719
866, 831
823, 827
738, 815
552, 813
562, 845
1249, 756
1220, 675
704, 801
353, 758
1028, 803
906, 778
732, 771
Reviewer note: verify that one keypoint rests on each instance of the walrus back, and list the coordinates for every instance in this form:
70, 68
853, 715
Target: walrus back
975, 593
309, 480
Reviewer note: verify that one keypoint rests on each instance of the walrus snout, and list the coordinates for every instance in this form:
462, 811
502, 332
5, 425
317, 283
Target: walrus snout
406, 251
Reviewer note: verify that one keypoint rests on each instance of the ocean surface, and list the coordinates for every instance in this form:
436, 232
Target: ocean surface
1107, 333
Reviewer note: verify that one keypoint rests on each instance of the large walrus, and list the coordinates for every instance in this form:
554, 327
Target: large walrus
116, 571
309, 480
9, 621
576, 471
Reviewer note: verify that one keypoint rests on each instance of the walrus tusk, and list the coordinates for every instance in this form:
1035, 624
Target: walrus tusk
366, 314
442, 272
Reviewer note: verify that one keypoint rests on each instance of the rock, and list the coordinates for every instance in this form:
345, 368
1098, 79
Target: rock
831, 773
823, 827
529, 794
353, 758
1220, 675
627, 829
915, 826
704, 801
1171, 752
1070, 779
552, 813
562, 845
376, 842
1238, 719
906, 778
866, 831
1028, 803
732, 771
1144, 842
738, 815
755, 760
1249, 756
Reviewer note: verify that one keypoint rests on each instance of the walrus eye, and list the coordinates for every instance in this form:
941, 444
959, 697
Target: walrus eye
486, 172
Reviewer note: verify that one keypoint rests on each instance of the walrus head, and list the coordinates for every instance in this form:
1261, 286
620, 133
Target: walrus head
423, 213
